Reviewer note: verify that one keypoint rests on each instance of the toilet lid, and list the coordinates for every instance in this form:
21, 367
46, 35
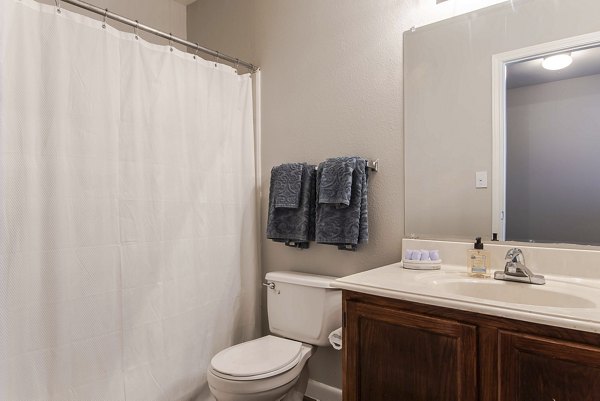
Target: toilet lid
258, 357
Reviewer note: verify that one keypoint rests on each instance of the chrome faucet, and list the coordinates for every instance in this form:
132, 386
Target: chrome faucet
515, 269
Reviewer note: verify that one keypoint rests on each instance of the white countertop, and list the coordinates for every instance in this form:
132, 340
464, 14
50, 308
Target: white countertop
428, 287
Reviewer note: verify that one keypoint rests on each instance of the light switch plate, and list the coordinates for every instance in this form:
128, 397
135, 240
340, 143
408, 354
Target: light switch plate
481, 179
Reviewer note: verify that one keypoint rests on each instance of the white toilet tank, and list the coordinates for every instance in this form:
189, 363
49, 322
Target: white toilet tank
303, 307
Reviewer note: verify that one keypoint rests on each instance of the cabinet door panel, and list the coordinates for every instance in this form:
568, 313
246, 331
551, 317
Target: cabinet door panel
538, 369
400, 356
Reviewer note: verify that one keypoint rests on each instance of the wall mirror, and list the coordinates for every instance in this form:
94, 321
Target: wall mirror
457, 156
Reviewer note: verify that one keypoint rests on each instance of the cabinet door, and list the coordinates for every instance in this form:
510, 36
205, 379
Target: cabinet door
392, 355
542, 369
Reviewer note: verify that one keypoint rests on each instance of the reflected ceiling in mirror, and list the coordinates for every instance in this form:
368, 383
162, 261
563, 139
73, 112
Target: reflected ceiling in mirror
531, 72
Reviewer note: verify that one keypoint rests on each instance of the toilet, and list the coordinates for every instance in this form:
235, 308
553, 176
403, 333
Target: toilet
302, 310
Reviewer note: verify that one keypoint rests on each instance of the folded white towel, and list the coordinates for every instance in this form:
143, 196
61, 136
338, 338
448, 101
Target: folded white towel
416, 255
335, 338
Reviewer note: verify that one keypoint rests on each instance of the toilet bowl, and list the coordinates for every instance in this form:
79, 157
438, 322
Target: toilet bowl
248, 377
302, 309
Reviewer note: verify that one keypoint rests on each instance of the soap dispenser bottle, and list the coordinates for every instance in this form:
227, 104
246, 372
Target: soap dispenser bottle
478, 260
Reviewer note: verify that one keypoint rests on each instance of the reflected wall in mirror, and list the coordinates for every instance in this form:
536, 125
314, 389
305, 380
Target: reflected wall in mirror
548, 187
449, 103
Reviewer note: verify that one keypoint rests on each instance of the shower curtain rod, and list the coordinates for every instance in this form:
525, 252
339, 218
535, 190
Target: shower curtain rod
108, 14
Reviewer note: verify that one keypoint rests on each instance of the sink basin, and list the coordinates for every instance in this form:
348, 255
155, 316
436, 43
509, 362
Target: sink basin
515, 293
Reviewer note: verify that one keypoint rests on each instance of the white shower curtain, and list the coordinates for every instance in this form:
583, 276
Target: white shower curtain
128, 253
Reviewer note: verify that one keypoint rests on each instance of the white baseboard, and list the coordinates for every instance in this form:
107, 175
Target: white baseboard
323, 392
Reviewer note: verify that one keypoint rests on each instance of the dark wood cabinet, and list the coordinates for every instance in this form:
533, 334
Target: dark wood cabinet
538, 368
404, 356
404, 351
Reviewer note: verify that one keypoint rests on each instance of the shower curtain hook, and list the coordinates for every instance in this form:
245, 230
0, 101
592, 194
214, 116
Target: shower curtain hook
197, 48
135, 28
237, 63
171, 41
57, 6
217, 58
104, 20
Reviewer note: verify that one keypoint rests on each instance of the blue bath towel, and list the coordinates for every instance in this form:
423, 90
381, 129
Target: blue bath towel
337, 223
293, 226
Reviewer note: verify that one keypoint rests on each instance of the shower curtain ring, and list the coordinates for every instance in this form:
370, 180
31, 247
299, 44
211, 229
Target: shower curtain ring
237, 63
217, 57
135, 28
171, 41
104, 20
57, 6
197, 48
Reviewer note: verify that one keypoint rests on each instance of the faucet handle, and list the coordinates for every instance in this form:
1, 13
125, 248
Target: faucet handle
515, 269
515, 255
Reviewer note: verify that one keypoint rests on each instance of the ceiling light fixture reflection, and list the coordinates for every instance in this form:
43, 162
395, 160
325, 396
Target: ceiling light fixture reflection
557, 62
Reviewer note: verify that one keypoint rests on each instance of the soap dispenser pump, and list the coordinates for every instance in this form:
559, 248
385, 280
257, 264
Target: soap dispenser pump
478, 260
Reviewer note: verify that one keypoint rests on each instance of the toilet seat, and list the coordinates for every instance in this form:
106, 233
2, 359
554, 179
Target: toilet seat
267, 389
257, 359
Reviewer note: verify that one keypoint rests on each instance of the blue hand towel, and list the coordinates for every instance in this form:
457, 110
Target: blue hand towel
347, 226
294, 226
287, 182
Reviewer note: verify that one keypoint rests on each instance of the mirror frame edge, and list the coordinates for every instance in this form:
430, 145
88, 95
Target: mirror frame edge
499, 62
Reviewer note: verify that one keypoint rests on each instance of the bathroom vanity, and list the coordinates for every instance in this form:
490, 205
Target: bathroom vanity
398, 350
446, 337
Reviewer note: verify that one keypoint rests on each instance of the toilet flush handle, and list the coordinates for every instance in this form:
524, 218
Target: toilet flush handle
269, 284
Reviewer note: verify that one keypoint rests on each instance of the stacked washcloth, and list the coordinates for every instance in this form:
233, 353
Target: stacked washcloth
341, 215
335, 184
292, 204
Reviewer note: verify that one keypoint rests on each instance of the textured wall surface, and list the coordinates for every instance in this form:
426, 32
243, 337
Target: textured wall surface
331, 86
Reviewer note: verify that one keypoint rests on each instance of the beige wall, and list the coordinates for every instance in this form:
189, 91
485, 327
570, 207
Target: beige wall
165, 15
331, 85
